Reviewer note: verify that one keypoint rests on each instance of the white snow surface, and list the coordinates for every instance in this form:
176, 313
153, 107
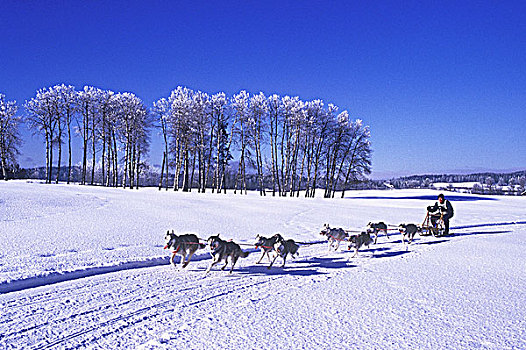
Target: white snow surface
84, 267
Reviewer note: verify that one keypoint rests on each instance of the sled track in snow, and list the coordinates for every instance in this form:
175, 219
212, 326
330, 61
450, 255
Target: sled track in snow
196, 291
58, 277
488, 225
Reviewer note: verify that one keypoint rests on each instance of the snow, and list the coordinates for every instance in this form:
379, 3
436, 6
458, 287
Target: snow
84, 266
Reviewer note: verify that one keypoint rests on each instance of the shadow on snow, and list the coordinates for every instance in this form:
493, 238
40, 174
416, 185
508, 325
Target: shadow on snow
456, 198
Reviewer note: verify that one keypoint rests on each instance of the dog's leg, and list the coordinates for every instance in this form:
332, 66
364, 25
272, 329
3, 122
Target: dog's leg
386, 234
172, 259
284, 259
183, 257
375, 236
188, 258
233, 260
262, 255
272, 262
226, 262
214, 262
355, 252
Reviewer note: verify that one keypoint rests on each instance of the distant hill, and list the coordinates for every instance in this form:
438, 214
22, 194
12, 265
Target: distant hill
486, 182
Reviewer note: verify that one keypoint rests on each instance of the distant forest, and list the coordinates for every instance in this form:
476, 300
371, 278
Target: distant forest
478, 183
482, 183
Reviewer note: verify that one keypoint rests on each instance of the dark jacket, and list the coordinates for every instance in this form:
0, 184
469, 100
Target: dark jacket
446, 209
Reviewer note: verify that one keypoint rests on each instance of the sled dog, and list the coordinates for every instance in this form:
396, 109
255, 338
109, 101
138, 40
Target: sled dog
375, 229
334, 236
266, 245
408, 231
283, 248
357, 241
222, 250
185, 245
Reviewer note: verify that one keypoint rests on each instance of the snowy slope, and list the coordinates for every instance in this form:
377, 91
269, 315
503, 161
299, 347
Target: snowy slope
116, 290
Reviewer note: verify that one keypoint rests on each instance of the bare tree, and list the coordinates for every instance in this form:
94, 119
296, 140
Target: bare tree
257, 123
357, 158
88, 109
9, 136
274, 109
68, 98
160, 110
41, 119
218, 136
240, 104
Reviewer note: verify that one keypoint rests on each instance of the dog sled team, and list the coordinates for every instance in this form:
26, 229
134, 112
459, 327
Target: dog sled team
276, 246
187, 244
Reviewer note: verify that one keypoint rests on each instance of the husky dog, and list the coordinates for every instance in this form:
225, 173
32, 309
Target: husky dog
222, 250
334, 236
357, 241
409, 231
375, 228
266, 245
283, 248
184, 245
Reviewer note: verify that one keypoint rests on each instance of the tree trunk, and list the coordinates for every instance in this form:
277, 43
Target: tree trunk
186, 169
4, 166
93, 149
50, 157
137, 170
59, 153
69, 148
162, 171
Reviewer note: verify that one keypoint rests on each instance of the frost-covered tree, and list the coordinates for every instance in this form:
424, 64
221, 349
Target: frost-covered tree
203, 126
274, 110
41, 118
322, 122
489, 181
68, 102
181, 133
257, 124
134, 123
220, 117
88, 106
64, 106
9, 135
356, 161
293, 118
240, 105
160, 110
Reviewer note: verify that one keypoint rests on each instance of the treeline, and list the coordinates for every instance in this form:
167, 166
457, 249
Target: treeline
114, 129
282, 144
290, 144
501, 179
483, 183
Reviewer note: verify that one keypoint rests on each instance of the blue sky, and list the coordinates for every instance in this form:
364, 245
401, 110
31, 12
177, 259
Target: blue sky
441, 84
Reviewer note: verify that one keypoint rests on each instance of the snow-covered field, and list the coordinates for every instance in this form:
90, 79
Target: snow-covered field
85, 267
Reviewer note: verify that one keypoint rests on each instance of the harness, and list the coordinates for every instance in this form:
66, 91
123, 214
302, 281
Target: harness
263, 246
336, 239
175, 251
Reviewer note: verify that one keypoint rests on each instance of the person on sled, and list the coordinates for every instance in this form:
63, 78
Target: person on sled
443, 207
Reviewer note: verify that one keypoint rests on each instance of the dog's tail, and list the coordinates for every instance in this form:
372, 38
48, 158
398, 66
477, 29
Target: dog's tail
202, 245
244, 254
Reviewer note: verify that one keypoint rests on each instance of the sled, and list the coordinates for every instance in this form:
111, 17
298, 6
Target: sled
429, 229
